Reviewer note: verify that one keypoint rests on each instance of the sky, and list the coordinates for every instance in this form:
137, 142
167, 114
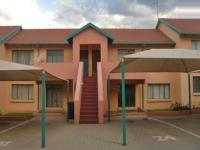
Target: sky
103, 13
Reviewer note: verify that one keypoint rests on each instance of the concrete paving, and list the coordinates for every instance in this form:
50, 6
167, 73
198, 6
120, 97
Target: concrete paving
142, 134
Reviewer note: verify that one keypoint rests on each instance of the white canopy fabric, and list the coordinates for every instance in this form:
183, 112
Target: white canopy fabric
17, 72
162, 60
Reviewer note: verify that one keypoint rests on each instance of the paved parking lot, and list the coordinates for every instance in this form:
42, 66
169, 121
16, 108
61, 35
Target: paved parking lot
180, 133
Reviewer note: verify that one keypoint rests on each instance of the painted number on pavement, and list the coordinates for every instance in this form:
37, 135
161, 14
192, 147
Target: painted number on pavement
164, 138
4, 143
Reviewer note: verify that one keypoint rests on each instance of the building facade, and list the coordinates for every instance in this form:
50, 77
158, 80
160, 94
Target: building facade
61, 51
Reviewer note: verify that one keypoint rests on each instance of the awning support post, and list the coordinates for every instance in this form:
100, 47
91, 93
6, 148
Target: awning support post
43, 109
123, 102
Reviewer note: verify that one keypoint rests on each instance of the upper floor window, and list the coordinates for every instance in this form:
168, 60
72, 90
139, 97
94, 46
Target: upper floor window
196, 84
23, 56
123, 52
22, 91
55, 56
196, 44
158, 91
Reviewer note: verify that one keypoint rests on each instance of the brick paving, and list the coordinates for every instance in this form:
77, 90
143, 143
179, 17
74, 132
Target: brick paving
141, 135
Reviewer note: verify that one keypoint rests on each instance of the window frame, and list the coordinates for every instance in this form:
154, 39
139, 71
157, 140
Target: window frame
16, 98
55, 50
159, 99
125, 49
196, 44
23, 50
195, 92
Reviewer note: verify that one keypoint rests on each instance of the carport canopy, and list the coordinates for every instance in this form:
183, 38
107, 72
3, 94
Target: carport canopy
10, 71
162, 60
17, 72
157, 60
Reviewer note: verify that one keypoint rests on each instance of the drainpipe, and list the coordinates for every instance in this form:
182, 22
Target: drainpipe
143, 96
108, 92
38, 84
67, 100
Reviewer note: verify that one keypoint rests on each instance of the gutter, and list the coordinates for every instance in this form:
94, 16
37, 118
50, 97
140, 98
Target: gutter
144, 43
37, 43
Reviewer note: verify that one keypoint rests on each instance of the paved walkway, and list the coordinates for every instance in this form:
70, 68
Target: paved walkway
141, 135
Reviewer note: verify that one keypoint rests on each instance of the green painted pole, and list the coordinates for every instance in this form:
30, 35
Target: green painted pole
123, 102
43, 109
109, 97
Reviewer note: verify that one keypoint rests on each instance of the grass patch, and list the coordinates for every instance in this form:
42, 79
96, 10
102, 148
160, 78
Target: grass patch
28, 115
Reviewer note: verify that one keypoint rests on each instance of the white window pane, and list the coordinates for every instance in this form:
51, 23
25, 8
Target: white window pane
22, 91
198, 45
159, 91
23, 56
55, 55
167, 92
123, 52
194, 45
196, 84
162, 92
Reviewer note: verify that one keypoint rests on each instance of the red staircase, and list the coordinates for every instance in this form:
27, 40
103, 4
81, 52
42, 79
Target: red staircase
89, 101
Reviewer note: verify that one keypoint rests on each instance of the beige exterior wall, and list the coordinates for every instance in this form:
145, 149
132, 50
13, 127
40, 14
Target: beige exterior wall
7, 104
171, 78
109, 58
183, 42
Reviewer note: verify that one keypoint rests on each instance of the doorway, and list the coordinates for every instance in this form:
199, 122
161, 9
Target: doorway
96, 57
84, 59
55, 96
129, 94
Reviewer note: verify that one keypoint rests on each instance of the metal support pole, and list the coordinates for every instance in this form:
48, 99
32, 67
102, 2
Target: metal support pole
109, 97
123, 102
189, 93
43, 109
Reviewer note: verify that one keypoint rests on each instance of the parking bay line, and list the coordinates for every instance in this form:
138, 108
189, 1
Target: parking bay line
16, 126
179, 128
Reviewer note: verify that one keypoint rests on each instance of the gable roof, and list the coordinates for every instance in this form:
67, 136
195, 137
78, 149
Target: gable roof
89, 25
139, 36
41, 36
182, 26
6, 32
122, 36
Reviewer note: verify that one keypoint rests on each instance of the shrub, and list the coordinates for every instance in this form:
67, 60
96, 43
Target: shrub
179, 106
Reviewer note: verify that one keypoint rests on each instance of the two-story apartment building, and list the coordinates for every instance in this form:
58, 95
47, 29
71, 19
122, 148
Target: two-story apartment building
60, 51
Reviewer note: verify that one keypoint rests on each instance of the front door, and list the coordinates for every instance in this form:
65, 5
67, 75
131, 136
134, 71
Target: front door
129, 94
84, 59
96, 57
55, 96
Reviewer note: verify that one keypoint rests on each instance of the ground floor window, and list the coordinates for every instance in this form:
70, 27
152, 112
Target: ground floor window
158, 91
22, 91
196, 84
129, 94
55, 95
